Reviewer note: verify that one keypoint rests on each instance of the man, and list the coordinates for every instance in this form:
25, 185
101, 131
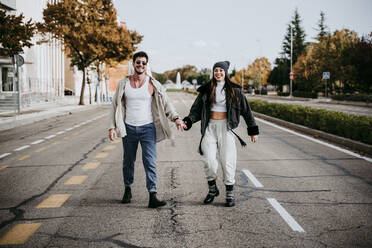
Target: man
140, 109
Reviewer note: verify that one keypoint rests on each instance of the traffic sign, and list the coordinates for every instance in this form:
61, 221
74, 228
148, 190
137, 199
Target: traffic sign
291, 76
326, 75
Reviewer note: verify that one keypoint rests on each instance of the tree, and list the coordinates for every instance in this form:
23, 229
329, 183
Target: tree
322, 27
298, 38
14, 34
89, 33
279, 76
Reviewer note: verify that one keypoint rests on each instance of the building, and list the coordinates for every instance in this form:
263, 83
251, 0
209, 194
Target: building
42, 76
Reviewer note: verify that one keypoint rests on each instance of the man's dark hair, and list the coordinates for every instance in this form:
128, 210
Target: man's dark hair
140, 54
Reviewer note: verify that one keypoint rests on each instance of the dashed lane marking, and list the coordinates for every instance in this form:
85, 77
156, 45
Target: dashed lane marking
42, 149
91, 165
54, 201
109, 148
24, 157
285, 215
4, 155
50, 136
76, 180
37, 142
252, 178
102, 155
21, 148
19, 234
3, 167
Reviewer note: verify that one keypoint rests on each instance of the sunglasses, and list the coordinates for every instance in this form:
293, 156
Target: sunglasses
138, 62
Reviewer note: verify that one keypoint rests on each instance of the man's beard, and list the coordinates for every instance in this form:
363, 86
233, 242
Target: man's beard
139, 72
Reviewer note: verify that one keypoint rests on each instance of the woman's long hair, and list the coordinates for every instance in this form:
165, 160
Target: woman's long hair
229, 91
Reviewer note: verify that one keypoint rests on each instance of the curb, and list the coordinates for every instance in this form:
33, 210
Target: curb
345, 142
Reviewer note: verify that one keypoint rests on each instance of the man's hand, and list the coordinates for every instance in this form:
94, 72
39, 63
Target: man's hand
254, 138
180, 125
112, 134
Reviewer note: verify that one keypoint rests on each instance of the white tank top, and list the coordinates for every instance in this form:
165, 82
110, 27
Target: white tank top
138, 104
220, 104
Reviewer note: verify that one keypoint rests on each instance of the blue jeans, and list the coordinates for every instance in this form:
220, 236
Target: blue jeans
146, 136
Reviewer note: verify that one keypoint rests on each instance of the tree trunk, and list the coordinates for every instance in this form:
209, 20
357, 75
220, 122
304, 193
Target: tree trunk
82, 89
90, 94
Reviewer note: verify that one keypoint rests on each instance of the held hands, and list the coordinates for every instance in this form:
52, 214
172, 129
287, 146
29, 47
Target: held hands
180, 125
112, 134
254, 138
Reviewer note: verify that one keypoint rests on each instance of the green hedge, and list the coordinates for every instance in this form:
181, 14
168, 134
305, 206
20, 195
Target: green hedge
354, 127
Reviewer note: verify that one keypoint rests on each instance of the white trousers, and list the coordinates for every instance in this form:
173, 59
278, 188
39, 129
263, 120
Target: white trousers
218, 146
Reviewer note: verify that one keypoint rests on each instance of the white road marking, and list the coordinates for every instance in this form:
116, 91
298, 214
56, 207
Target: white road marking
50, 136
4, 155
317, 141
21, 148
37, 142
61, 132
285, 215
252, 178
68, 129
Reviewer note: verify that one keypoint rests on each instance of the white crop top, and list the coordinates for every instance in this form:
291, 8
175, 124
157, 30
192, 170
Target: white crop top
220, 104
138, 104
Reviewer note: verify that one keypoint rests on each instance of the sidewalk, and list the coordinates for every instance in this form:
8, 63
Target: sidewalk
42, 111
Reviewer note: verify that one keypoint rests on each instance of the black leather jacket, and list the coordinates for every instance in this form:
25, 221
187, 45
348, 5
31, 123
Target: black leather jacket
200, 111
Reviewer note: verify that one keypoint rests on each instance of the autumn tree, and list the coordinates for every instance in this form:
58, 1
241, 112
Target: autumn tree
14, 34
89, 33
185, 72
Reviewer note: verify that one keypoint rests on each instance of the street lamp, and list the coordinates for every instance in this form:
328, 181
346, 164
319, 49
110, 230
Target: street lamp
290, 78
259, 64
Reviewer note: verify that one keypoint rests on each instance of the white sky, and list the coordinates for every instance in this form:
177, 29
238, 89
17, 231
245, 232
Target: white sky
202, 32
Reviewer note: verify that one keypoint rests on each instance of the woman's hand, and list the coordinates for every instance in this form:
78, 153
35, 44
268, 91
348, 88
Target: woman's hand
180, 124
254, 138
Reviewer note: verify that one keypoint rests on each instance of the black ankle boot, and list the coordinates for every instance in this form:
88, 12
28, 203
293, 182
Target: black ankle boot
230, 201
213, 192
127, 196
154, 202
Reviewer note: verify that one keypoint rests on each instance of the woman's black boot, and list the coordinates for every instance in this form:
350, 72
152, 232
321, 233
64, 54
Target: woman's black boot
230, 201
213, 192
127, 196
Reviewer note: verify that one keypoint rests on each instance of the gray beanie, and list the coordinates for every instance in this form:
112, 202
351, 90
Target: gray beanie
222, 64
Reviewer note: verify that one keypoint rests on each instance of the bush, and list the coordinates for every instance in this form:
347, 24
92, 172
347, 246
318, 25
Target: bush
283, 93
263, 92
357, 98
305, 94
354, 127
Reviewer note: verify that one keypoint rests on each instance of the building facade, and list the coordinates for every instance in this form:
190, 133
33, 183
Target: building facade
42, 76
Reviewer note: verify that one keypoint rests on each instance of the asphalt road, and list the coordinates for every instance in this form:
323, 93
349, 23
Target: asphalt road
65, 190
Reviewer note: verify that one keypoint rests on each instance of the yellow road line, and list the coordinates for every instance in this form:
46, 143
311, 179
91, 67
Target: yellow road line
24, 157
41, 149
76, 180
76, 133
91, 165
3, 167
102, 155
109, 148
54, 201
56, 142
19, 234
67, 137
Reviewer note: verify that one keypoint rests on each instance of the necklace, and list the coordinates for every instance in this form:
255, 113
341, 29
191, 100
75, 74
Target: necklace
138, 82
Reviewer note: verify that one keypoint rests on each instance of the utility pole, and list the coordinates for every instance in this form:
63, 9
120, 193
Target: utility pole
243, 79
290, 80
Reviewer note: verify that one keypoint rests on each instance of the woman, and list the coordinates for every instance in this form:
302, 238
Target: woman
219, 106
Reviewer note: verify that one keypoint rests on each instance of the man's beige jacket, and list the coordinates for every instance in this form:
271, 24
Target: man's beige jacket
161, 108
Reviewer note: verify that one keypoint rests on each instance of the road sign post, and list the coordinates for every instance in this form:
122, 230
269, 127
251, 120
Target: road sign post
326, 76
